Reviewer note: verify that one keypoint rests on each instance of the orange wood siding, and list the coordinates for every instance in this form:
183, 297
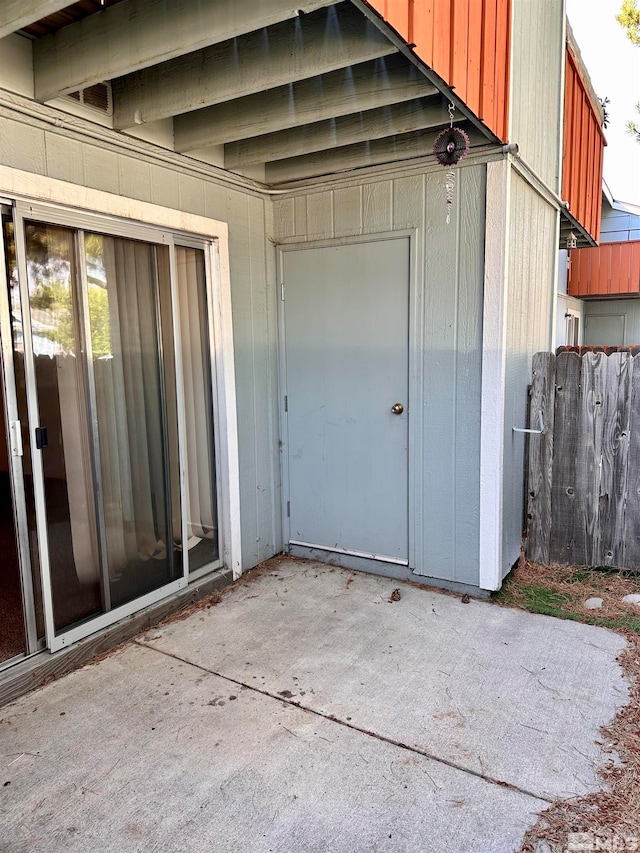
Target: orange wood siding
583, 151
612, 269
467, 44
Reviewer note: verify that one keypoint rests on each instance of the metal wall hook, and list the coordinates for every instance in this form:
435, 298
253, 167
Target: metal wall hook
533, 431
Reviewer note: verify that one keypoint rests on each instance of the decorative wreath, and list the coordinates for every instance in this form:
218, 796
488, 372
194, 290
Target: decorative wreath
451, 146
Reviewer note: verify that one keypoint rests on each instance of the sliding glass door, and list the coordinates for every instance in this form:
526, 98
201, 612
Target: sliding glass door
116, 347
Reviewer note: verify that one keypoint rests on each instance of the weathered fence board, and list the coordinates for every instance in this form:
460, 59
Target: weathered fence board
589, 457
584, 471
631, 536
563, 481
615, 451
541, 453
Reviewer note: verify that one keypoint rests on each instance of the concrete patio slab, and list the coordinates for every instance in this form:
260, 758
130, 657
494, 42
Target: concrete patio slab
142, 752
310, 711
511, 695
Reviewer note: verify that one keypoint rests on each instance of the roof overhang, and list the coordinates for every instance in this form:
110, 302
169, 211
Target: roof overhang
278, 91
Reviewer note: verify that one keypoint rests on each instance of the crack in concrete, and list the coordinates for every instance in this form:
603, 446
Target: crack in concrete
349, 725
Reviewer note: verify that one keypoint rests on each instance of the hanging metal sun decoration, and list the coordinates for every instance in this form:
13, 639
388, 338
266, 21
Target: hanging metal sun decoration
450, 147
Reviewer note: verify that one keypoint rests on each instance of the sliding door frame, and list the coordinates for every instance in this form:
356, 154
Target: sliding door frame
15, 453
194, 231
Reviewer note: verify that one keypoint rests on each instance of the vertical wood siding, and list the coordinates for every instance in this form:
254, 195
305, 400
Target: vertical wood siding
583, 151
467, 43
609, 269
49, 152
445, 342
530, 296
538, 68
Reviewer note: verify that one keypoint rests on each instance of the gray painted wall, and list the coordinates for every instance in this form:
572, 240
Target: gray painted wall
628, 308
537, 76
618, 225
106, 165
447, 308
532, 258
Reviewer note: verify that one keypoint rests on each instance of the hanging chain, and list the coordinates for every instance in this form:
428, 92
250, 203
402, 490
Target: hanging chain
450, 180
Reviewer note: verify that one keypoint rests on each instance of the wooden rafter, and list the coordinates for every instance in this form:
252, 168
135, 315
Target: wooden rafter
384, 81
136, 34
259, 61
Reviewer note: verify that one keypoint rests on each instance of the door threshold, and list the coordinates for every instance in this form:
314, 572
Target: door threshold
365, 555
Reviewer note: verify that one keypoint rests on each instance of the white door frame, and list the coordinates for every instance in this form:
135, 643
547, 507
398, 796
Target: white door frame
414, 377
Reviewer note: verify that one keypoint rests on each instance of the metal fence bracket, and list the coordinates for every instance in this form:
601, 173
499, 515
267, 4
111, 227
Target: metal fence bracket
533, 431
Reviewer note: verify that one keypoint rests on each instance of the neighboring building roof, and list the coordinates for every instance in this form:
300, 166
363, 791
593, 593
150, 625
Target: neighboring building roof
624, 206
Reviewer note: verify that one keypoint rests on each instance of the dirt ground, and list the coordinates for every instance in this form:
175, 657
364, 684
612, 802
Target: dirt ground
610, 818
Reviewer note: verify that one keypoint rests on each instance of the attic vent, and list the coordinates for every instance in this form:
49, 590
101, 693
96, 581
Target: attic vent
98, 97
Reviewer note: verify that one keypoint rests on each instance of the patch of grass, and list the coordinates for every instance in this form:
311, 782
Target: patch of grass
539, 599
562, 591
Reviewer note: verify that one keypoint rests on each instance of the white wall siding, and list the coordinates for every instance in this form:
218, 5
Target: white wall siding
105, 164
447, 314
530, 300
537, 71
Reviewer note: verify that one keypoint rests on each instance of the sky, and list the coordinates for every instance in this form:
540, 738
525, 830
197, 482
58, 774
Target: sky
613, 63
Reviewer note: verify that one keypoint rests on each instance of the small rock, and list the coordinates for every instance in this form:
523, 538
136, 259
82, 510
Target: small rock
593, 603
634, 598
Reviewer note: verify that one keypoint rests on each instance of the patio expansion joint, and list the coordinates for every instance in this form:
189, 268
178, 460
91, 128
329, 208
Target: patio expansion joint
349, 725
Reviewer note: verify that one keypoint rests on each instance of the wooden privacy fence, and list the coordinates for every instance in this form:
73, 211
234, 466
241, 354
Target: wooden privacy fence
583, 505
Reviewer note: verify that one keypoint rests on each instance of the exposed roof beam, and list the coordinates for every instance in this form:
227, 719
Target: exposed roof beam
379, 151
135, 34
16, 14
374, 124
388, 80
289, 51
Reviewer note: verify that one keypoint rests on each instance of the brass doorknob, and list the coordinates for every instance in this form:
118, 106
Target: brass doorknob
397, 408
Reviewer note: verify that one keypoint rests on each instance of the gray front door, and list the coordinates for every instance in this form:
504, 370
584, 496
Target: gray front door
346, 312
